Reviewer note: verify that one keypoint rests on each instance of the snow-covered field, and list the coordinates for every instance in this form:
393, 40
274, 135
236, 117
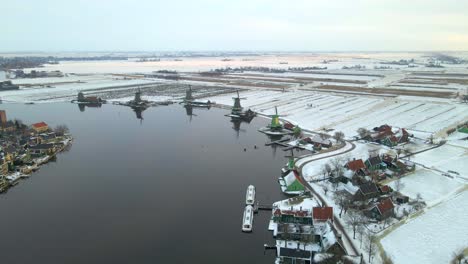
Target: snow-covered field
316, 111
445, 158
432, 186
432, 237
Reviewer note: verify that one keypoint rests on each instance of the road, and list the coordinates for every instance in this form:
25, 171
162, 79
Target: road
337, 223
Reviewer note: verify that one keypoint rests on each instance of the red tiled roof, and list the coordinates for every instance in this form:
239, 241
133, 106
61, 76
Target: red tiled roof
385, 189
39, 125
295, 213
385, 205
322, 213
356, 165
277, 212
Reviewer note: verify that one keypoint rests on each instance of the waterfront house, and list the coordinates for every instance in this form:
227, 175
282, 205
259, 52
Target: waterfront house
42, 149
324, 142
47, 137
9, 126
292, 216
40, 127
295, 252
3, 167
322, 214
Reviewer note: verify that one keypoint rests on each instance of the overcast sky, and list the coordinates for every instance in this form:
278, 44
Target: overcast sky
285, 25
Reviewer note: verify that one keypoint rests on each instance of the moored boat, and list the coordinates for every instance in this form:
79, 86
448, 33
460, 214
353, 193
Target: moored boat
13, 179
250, 195
247, 220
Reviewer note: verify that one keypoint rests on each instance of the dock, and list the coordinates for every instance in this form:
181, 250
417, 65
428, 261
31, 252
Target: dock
286, 147
262, 207
279, 142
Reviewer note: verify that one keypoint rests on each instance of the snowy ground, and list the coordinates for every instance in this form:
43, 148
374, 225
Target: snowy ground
432, 186
316, 111
431, 237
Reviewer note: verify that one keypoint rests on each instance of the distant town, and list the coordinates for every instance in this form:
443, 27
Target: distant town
24, 148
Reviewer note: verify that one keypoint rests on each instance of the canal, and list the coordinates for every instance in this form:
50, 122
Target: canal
168, 188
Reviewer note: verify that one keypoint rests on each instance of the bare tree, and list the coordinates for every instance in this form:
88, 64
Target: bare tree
398, 185
324, 136
325, 189
419, 202
363, 132
458, 256
386, 222
361, 230
342, 202
326, 170
354, 219
337, 166
339, 136
370, 246
60, 130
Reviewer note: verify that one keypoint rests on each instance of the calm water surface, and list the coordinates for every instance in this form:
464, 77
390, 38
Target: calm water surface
166, 189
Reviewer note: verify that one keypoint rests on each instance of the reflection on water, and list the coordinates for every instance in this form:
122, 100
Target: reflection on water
82, 107
165, 191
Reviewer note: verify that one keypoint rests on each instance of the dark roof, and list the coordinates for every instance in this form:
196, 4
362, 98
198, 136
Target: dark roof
356, 165
10, 149
385, 205
322, 213
368, 188
374, 160
385, 189
42, 146
295, 253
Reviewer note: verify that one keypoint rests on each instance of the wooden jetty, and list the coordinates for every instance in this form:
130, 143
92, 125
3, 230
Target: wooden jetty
281, 142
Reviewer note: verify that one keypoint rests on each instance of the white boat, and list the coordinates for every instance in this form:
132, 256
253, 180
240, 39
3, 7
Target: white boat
13, 179
250, 196
247, 220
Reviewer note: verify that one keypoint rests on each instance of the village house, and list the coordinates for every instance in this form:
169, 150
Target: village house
42, 149
374, 163
88, 99
9, 126
3, 167
367, 191
357, 166
382, 210
385, 189
388, 136
40, 127
322, 214
303, 217
319, 140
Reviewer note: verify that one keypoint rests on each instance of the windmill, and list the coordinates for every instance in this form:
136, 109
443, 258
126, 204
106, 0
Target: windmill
291, 160
188, 95
237, 108
275, 124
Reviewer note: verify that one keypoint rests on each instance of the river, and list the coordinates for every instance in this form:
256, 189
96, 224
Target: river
166, 189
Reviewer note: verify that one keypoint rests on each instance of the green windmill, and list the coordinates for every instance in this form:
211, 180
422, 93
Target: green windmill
237, 108
275, 123
291, 161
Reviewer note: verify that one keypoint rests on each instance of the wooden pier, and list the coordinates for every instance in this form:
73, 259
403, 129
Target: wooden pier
286, 147
262, 207
279, 142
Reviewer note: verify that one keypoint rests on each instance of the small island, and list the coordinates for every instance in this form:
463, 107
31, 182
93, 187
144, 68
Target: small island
24, 148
